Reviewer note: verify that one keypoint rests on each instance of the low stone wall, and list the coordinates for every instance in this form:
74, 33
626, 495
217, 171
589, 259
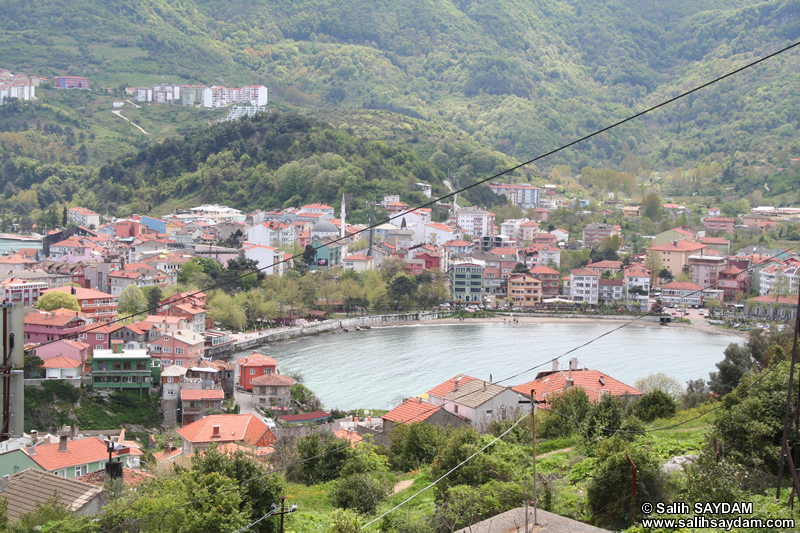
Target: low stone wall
315, 328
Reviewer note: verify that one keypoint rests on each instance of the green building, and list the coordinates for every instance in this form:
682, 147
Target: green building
466, 282
122, 369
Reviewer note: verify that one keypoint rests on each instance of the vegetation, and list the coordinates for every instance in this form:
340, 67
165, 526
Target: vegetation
58, 300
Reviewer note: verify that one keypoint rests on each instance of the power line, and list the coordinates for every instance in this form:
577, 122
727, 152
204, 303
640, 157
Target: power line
333, 241
479, 182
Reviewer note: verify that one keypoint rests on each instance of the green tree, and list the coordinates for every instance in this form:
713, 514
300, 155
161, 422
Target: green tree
131, 301
153, 294
653, 208
654, 404
323, 455
604, 418
736, 363
360, 492
58, 300
223, 307
659, 381
415, 444
32, 366
568, 409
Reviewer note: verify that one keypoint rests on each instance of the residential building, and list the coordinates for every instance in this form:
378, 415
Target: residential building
121, 369
637, 287
681, 233
48, 326
71, 82
704, 269
139, 274
610, 291
136, 336
596, 232
734, 282
466, 282
631, 210
549, 278
81, 216
584, 286
779, 279
100, 336
595, 383
266, 257
681, 293
254, 366
523, 196
541, 254
718, 224
599, 267
719, 244
195, 404
359, 263
417, 410
436, 233
675, 255
245, 429
21, 291
60, 367
474, 221
272, 392
31, 489
183, 348
96, 305
773, 307
71, 458
476, 400
74, 350
525, 290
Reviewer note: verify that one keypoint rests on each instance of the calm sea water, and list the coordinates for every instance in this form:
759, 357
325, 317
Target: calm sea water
377, 368
13, 245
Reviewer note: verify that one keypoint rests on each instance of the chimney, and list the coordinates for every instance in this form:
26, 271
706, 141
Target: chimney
62, 443
419, 400
555, 365
34, 435
455, 383
215, 432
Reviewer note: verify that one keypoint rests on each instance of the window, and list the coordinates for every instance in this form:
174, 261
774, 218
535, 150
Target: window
99, 336
179, 363
252, 371
178, 350
167, 349
273, 390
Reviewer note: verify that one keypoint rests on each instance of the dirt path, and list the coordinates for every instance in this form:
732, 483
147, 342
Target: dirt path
400, 486
562, 450
119, 114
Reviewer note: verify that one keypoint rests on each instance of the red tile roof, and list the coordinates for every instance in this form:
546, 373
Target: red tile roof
188, 395
78, 452
678, 246
130, 477
257, 359
273, 380
167, 455
449, 386
306, 417
413, 410
682, 286
244, 427
59, 317
60, 361
589, 380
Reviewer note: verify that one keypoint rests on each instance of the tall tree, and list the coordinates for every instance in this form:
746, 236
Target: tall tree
57, 300
131, 301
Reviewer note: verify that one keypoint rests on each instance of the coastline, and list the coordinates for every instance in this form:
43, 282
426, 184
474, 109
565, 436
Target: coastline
699, 325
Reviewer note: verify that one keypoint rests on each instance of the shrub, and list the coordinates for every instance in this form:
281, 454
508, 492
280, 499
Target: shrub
569, 409
359, 492
655, 404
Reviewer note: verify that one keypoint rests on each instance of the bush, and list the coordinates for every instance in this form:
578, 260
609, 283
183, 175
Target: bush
323, 456
359, 492
466, 505
655, 404
604, 418
415, 444
573, 404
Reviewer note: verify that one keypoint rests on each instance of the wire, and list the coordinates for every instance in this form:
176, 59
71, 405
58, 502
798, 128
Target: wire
459, 465
479, 182
245, 528
191, 294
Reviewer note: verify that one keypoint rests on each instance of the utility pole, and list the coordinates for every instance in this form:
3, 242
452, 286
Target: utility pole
283, 510
371, 225
787, 420
532, 401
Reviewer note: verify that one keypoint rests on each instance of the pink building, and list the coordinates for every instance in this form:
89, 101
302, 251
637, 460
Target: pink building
182, 348
53, 325
21, 291
74, 350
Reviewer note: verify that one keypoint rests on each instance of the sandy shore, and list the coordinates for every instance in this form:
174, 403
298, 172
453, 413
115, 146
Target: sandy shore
698, 323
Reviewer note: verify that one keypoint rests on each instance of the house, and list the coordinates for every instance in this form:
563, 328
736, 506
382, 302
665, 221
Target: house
26, 491
681, 233
525, 290
719, 244
599, 267
71, 458
100, 336
266, 257
584, 286
47, 326
96, 305
561, 235
734, 281
60, 367
272, 391
476, 400
136, 336
122, 369
359, 263
254, 366
595, 383
718, 224
466, 282
417, 410
596, 232
164, 323
773, 307
475, 222
637, 287
195, 404
414, 267
549, 278
541, 254
681, 293
81, 216
245, 429
610, 291
704, 269
675, 255
184, 347
457, 246
631, 211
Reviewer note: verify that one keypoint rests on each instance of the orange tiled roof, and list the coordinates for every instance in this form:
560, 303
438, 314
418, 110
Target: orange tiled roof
59, 317
449, 386
208, 394
130, 477
60, 361
589, 380
78, 452
232, 428
273, 380
257, 359
167, 455
413, 410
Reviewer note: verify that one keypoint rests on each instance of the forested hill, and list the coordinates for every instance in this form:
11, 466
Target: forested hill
517, 76
271, 160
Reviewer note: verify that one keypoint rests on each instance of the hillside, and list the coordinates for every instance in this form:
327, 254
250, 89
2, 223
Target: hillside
516, 77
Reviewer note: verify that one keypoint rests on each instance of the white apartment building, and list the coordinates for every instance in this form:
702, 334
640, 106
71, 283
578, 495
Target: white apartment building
474, 221
584, 286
